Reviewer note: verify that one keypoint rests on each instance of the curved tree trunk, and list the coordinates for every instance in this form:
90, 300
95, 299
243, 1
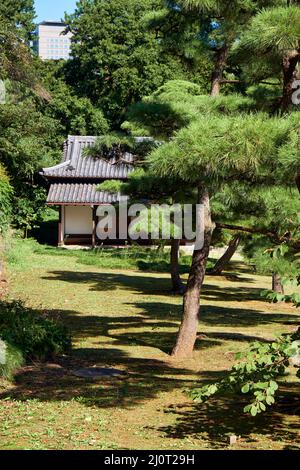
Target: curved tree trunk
188, 330
177, 285
277, 284
217, 75
222, 263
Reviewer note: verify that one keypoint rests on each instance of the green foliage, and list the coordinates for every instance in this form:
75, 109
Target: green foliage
278, 259
209, 28
111, 186
242, 147
289, 158
257, 373
175, 105
11, 359
276, 297
28, 139
29, 208
6, 193
110, 145
16, 61
76, 115
117, 60
272, 208
20, 14
273, 31
32, 332
272, 35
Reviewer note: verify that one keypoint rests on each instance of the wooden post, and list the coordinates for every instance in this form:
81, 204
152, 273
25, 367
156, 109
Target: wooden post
94, 234
61, 227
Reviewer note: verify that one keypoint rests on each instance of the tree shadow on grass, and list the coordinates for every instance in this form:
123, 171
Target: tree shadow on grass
171, 313
144, 379
230, 293
228, 316
123, 336
111, 344
217, 419
151, 285
211, 315
102, 282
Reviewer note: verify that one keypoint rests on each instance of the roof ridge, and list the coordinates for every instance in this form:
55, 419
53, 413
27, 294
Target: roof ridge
56, 167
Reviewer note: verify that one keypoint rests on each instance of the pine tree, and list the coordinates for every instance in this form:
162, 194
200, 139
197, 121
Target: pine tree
205, 159
195, 26
20, 14
142, 185
273, 39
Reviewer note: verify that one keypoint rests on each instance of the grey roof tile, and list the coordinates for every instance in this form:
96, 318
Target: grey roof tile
75, 165
80, 193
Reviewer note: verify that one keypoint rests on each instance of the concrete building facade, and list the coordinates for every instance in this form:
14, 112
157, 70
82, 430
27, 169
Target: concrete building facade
51, 42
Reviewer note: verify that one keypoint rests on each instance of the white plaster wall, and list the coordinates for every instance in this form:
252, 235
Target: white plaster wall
78, 220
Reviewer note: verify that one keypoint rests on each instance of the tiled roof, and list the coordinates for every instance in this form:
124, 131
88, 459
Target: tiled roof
75, 165
76, 193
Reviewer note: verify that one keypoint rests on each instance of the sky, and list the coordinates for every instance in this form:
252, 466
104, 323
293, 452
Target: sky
53, 9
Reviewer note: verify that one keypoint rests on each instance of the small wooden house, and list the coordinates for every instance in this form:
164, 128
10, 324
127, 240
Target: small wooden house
73, 188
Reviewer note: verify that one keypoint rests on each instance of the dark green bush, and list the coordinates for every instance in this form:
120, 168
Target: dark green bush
5, 199
32, 332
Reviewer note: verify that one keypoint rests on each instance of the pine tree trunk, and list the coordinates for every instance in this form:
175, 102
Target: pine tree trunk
298, 181
217, 75
222, 263
188, 330
177, 285
277, 284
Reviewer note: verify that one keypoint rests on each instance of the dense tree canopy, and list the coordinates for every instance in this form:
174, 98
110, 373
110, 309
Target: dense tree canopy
75, 115
5, 199
116, 60
20, 14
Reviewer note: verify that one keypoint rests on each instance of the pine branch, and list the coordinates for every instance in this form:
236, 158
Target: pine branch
240, 228
272, 235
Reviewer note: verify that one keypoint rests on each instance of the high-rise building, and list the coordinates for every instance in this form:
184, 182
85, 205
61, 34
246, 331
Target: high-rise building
52, 42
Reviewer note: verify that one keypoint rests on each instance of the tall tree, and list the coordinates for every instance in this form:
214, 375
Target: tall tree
208, 25
116, 60
201, 157
20, 14
76, 115
273, 38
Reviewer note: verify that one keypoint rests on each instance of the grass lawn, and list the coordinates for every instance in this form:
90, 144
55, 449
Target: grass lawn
127, 319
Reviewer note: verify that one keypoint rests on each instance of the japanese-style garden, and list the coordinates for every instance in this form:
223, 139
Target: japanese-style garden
167, 344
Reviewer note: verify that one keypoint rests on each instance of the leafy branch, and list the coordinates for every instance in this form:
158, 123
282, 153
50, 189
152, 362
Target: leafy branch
257, 373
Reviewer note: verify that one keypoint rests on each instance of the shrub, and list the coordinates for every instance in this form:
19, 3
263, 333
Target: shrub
30, 331
5, 199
